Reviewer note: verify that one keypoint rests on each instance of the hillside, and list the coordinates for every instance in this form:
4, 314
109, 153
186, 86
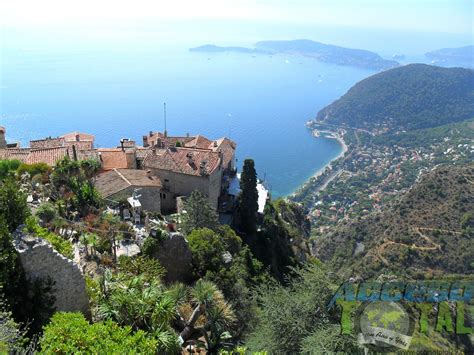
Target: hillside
463, 56
323, 52
428, 230
410, 97
329, 53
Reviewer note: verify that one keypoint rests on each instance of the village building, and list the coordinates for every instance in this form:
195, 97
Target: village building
118, 185
168, 168
48, 150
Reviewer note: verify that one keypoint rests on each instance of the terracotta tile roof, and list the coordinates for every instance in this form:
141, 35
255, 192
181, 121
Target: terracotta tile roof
226, 147
199, 142
78, 137
111, 182
141, 153
20, 154
48, 156
114, 158
188, 161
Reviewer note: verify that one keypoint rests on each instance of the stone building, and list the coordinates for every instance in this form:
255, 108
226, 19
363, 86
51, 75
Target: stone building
184, 170
119, 184
50, 150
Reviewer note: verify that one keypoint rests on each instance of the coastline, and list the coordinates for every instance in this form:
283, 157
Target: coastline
344, 147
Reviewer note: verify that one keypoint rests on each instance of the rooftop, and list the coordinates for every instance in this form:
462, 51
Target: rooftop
111, 182
188, 161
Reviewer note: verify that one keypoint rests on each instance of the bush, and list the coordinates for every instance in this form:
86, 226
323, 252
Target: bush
33, 169
150, 246
8, 166
62, 246
70, 333
46, 212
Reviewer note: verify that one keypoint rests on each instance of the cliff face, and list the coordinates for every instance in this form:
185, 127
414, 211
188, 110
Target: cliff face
41, 261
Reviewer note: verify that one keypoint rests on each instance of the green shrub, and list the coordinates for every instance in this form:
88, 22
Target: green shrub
70, 333
46, 212
8, 166
33, 169
62, 246
150, 246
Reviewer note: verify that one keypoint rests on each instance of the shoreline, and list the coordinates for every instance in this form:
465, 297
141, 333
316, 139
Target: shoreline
344, 147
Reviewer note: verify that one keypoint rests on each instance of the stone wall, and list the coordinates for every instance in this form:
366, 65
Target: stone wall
175, 256
40, 260
183, 185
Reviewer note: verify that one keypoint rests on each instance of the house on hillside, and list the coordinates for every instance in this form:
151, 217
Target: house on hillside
183, 170
117, 185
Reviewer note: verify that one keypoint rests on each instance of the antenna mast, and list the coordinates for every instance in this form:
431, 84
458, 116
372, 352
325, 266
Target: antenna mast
164, 111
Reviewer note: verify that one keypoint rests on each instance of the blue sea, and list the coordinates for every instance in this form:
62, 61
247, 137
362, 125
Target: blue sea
112, 82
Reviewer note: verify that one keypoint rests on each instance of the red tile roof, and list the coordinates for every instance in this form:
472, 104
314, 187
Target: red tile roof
226, 147
48, 156
199, 142
114, 158
111, 182
188, 161
20, 154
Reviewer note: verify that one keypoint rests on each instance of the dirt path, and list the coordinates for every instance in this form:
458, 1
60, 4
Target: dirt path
379, 250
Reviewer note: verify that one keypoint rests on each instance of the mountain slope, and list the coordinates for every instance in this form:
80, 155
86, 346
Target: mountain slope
328, 53
405, 98
430, 229
463, 56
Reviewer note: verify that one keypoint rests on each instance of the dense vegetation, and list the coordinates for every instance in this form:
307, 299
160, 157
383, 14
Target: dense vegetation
428, 231
410, 97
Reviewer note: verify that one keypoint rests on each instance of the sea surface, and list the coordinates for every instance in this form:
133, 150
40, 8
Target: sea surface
113, 83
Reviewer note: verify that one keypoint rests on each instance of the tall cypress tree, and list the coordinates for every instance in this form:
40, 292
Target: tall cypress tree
249, 198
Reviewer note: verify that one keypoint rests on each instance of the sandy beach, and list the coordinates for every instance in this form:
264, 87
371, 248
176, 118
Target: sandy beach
320, 171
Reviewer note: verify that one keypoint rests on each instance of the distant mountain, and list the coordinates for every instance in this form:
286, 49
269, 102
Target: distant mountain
405, 98
329, 53
320, 51
463, 56
427, 230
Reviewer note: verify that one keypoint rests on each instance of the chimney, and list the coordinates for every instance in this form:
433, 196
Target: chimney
121, 144
74, 152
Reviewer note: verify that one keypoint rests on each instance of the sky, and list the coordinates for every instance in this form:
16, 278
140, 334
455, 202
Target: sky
447, 16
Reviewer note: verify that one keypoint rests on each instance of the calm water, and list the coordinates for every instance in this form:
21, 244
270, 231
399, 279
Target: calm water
114, 86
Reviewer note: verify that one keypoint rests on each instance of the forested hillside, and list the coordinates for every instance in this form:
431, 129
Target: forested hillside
427, 231
410, 97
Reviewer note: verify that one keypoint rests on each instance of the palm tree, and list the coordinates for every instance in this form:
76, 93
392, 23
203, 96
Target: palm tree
215, 313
